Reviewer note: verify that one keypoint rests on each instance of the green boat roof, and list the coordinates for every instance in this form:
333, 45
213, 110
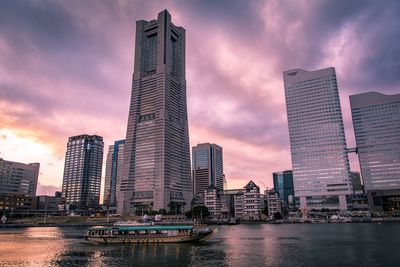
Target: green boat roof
144, 227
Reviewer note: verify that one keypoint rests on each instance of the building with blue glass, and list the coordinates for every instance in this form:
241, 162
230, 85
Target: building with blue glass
114, 161
283, 184
207, 167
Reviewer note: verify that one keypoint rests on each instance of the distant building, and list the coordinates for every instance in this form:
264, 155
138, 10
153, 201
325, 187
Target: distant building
18, 183
376, 121
207, 167
228, 206
225, 186
274, 202
48, 203
248, 205
113, 173
239, 209
82, 172
321, 170
283, 184
212, 200
18, 178
156, 168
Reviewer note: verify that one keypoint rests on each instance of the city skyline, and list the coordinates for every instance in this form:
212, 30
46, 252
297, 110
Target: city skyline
54, 56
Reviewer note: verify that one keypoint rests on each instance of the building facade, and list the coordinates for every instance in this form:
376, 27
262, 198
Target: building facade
212, 200
18, 178
273, 202
82, 172
248, 205
156, 167
47, 203
321, 170
283, 184
231, 201
207, 167
18, 183
113, 173
376, 121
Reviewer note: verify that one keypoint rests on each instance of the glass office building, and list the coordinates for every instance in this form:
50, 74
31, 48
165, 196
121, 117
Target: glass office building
283, 184
376, 121
113, 173
207, 167
156, 168
18, 178
320, 165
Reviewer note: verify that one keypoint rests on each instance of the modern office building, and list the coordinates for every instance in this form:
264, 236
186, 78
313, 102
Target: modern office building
207, 167
18, 183
321, 171
18, 178
82, 172
376, 121
156, 168
283, 184
113, 173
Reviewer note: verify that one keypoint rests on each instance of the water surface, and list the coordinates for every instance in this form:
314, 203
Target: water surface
239, 245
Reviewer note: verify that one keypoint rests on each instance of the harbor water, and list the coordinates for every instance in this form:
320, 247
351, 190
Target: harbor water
364, 244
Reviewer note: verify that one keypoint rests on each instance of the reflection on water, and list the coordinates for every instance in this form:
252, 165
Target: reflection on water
240, 245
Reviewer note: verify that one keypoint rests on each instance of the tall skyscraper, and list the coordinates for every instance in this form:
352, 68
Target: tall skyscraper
283, 184
114, 161
18, 178
321, 171
82, 171
207, 167
156, 169
376, 121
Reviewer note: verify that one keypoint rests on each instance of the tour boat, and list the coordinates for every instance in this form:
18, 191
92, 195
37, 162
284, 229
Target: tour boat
146, 234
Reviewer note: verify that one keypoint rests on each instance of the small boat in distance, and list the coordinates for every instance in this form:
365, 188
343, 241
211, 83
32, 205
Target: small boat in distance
146, 234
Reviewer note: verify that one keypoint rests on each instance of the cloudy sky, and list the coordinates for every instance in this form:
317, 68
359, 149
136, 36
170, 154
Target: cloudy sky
66, 69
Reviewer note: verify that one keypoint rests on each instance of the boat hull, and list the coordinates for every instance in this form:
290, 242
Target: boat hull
124, 239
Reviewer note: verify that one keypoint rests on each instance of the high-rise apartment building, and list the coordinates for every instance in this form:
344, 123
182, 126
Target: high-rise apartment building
376, 121
113, 173
283, 184
18, 178
82, 171
321, 171
156, 168
207, 167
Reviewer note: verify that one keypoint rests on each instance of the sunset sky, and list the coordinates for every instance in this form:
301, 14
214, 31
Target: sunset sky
66, 69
